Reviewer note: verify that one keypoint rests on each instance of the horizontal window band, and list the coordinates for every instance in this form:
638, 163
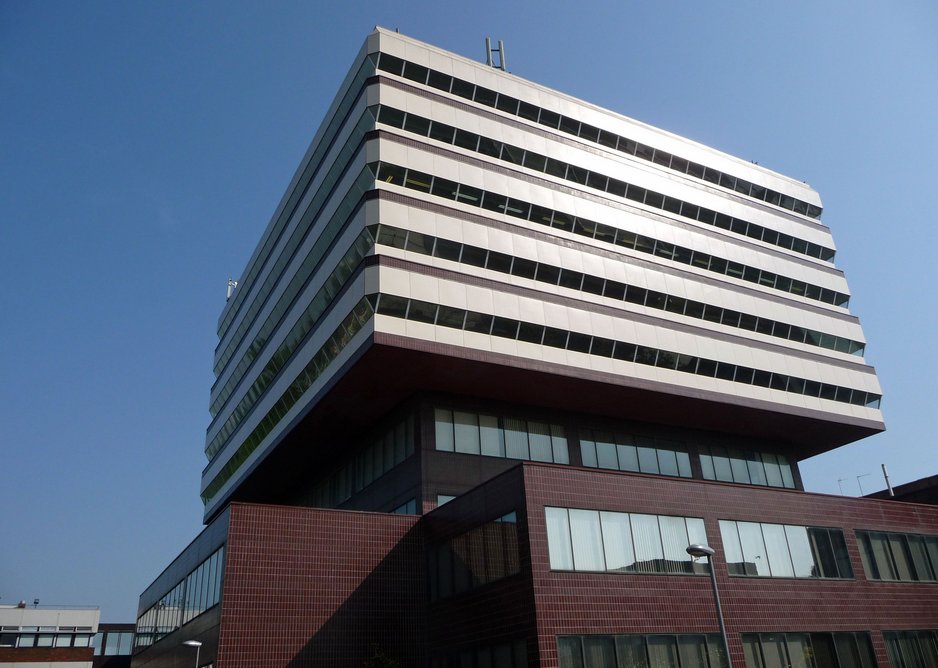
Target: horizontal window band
610, 140
361, 313
426, 244
471, 141
312, 168
509, 328
472, 196
319, 201
331, 230
898, 557
331, 290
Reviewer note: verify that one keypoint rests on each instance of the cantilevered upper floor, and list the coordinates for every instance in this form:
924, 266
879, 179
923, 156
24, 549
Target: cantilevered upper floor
456, 229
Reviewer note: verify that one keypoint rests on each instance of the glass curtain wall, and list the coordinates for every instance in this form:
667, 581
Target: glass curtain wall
784, 551
593, 540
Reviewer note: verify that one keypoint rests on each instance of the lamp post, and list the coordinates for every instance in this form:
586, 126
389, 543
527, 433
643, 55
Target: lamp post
198, 648
708, 552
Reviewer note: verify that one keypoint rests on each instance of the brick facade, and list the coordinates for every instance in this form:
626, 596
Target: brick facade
577, 603
306, 587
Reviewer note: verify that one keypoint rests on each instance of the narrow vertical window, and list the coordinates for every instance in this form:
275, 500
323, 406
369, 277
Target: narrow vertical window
558, 539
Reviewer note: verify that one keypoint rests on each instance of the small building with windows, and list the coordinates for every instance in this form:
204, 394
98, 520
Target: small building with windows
113, 645
43, 635
498, 358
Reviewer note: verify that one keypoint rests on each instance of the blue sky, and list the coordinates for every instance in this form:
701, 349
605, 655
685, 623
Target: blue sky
144, 146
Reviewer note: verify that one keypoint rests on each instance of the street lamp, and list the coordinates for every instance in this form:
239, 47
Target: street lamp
198, 648
708, 552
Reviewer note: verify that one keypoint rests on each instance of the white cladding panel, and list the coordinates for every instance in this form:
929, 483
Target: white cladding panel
457, 284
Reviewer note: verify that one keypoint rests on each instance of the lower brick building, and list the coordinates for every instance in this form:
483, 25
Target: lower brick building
544, 564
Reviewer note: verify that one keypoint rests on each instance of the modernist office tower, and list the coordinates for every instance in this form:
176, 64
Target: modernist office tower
499, 357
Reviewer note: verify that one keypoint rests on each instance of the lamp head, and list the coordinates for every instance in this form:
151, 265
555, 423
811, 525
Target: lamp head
192, 643
700, 550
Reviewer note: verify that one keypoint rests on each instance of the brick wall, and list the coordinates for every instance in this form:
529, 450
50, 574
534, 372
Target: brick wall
308, 587
574, 603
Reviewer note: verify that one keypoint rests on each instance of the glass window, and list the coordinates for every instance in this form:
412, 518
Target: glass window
773, 472
617, 541
492, 442
721, 465
823, 552
740, 468
111, 644
569, 651
558, 443
647, 539
606, 452
648, 460
675, 541
776, 544
735, 563
540, 441
800, 549
895, 556
516, 439
628, 456
750, 537
667, 462
558, 539
900, 556
662, 651
599, 651
773, 650
444, 430
693, 651
920, 559
586, 535
466, 427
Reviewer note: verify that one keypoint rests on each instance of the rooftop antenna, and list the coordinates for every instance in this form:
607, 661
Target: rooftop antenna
860, 484
232, 284
888, 484
840, 484
502, 59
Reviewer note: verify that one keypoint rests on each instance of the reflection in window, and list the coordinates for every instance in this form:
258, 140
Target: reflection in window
409, 508
590, 133
912, 649
394, 174
625, 452
482, 323
199, 591
381, 453
808, 650
784, 551
592, 540
497, 436
751, 468
318, 365
505, 655
481, 555
899, 556
641, 651
314, 166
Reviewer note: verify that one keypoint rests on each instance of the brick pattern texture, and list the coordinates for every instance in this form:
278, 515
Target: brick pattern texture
308, 587
580, 603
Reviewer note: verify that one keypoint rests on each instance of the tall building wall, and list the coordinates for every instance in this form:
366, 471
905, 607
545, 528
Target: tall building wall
454, 211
